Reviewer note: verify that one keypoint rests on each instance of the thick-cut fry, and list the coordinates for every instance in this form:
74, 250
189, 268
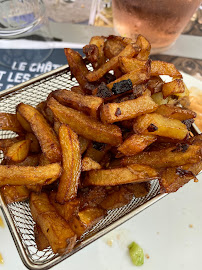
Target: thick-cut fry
9, 121
138, 189
174, 178
115, 44
83, 143
28, 175
40, 239
164, 68
71, 160
43, 131
85, 220
91, 196
18, 151
114, 112
66, 210
169, 157
156, 124
32, 160
84, 125
89, 164
5, 143
117, 198
34, 145
87, 104
145, 47
14, 193
96, 151
77, 89
131, 173
175, 112
135, 144
60, 236
172, 88
128, 51
129, 64
78, 68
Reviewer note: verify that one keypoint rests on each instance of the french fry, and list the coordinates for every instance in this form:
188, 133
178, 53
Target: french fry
168, 157
164, 68
83, 143
77, 89
43, 131
14, 193
29, 175
84, 125
115, 44
34, 143
89, 164
128, 51
5, 143
135, 144
117, 198
87, 104
156, 124
58, 233
145, 47
71, 159
138, 189
96, 151
9, 121
40, 239
172, 88
77, 67
175, 112
67, 209
129, 64
114, 112
119, 176
18, 151
85, 220
91, 196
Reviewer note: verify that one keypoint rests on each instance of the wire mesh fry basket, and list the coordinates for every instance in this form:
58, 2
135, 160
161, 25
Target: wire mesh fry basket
18, 215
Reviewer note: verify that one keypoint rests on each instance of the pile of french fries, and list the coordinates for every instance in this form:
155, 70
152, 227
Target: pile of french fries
92, 149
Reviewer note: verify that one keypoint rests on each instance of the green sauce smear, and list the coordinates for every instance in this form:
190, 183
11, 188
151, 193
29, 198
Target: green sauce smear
136, 254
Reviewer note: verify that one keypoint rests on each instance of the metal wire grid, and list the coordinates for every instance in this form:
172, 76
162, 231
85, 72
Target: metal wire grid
19, 213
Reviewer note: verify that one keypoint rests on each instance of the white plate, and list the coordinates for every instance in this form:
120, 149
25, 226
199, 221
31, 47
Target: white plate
170, 232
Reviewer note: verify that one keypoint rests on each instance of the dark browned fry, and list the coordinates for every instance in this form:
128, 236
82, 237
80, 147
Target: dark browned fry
9, 121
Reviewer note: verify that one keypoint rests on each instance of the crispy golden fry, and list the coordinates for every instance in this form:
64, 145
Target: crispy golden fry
83, 143
32, 160
9, 121
87, 104
23, 122
128, 51
43, 131
89, 164
100, 58
40, 238
77, 89
67, 209
156, 124
169, 157
85, 220
77, 67
29, 175
5, 143
117, 198
115, 44
164, 68
34, 145
131, 173
138, 189
14, 193
175, 112
145, 47
114, 112
174, 178
172, 88
97, 151
129, 64
18, 151
135, 144
71, 160
84, 125
60, 236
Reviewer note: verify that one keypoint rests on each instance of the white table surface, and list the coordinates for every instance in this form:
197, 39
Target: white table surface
170, 232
